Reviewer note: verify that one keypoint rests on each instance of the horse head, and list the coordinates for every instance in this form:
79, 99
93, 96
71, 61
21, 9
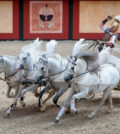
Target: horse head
78, 65
49, 65
23, 60
42, 66
70, 67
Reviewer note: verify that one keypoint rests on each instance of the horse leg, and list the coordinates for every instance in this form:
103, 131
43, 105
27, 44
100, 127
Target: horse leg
14, 101
59, 93
30, 88
64, 106
22, 101
110, 102
36, 94
51, 93
8, 92
16, 91
80, 95
46, 89
105, 95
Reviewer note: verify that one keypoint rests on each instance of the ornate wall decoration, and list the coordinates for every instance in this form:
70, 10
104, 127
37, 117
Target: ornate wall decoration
46, 19
46, 16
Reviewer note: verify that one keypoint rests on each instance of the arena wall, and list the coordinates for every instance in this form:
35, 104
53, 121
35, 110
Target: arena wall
54, 19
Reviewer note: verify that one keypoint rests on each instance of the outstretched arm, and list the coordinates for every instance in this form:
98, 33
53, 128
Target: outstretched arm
102, 25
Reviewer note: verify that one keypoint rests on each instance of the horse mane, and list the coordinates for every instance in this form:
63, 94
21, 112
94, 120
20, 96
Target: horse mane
35, 45
9, 56
77, 47
82, 46
33, 48
56, 56
50, 46
90, 58
87, 55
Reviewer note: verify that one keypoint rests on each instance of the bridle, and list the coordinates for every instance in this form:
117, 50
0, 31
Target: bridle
22, 65
3, 70
84, 72
46, 63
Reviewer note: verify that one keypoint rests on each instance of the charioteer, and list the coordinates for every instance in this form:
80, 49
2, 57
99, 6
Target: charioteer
110, 32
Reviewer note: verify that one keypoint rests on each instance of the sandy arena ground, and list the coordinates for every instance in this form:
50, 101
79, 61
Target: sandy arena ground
30, 120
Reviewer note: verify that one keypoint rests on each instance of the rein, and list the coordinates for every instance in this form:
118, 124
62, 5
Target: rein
10, 75
45, 62
25, 69
4, 79
85, 72
55, 74
2, 71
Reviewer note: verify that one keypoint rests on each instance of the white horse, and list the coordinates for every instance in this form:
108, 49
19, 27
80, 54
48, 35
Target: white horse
105, 56
28, 60
7, 65
28, 55
79, 47
57, 81
52, 68
26, 63
89, 78
56, 77
51, 63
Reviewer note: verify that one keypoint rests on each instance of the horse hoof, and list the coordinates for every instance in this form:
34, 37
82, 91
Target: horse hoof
40, 105
59, 106
7, 115
76, 112
36, 94
23, 105
56, 121
12, 95
110, 110
67, 112
14, 108
43, 108
90, 116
